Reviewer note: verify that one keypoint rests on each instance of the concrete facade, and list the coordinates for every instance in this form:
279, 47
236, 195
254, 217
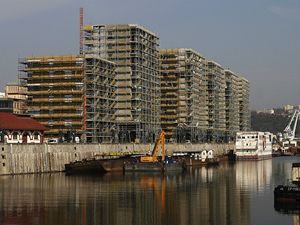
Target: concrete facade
45, 158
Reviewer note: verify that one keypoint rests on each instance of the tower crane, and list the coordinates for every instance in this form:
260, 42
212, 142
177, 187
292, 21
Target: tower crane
290, 130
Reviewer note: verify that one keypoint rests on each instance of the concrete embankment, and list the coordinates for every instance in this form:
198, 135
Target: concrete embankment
44, 158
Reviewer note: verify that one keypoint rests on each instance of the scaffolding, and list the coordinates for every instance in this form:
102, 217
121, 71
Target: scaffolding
243, 99
55, 93
133, 49
183, 101
231, 104
98, 101
216, 101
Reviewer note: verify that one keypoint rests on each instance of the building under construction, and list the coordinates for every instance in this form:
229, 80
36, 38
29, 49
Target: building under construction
200, 100
99, 100
134, 51
216, 101
71, 95
55, 93
183, 101
243, 99
231, 104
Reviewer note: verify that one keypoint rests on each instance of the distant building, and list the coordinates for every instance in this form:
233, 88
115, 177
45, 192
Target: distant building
6, 105
20, 129
243, 96
18, 94
288, 108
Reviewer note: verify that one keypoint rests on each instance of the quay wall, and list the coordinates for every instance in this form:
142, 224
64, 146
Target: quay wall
46, 158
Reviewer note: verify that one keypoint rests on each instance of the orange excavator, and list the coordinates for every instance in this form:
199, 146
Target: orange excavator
153, 157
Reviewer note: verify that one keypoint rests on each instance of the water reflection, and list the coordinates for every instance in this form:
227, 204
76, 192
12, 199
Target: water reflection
212, 196
254, 175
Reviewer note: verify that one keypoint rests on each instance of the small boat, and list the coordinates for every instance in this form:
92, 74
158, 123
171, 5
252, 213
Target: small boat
287, 197
287, 194
198, 158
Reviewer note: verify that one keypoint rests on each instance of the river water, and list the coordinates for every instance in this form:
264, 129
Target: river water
237, 194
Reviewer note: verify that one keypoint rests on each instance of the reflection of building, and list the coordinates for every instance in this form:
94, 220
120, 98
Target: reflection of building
254, 175
20, 129
128, 199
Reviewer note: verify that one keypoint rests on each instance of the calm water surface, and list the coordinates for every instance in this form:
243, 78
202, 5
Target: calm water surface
237, 194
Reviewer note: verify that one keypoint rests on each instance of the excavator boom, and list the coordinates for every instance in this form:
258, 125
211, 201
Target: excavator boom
153, 156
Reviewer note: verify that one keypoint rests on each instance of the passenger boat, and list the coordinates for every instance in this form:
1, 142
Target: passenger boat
253, 145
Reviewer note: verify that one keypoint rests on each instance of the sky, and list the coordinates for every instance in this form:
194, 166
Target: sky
257, 39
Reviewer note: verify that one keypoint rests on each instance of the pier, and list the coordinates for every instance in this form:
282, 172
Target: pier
47, 158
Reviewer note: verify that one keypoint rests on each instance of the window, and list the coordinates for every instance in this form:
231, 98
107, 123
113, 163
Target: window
36, 136
15, 136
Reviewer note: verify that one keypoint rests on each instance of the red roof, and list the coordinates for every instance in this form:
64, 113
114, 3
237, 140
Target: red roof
9, 121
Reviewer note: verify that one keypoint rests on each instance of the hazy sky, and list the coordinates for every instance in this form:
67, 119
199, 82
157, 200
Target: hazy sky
258, 39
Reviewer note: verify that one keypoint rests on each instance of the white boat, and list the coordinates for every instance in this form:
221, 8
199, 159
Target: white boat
253, 145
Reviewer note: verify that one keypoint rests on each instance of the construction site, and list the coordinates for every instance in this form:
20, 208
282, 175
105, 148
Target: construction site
200, 100
122, 88
133, 49
72, 96
183, 98
55, 93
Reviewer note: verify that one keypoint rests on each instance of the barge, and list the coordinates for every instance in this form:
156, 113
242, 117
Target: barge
102, 164
154, 163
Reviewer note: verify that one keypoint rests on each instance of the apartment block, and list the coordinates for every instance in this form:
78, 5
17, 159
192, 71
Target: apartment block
134, 51
184, 115
243, 98
231, 103
216, 85
55, 93
71, 95
99, 100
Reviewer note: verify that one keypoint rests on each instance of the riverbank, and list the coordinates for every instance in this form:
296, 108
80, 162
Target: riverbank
46, 158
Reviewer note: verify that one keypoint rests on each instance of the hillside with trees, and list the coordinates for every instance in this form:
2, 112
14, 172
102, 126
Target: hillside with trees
273, 123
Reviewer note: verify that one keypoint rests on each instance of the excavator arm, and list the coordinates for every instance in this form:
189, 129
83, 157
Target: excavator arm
153, 156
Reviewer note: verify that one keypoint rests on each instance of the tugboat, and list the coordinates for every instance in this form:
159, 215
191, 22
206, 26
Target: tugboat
154, 163
287, 197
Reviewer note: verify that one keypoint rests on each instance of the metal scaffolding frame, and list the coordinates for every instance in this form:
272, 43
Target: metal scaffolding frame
133, 49
183, 102
55, 93
99, 102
